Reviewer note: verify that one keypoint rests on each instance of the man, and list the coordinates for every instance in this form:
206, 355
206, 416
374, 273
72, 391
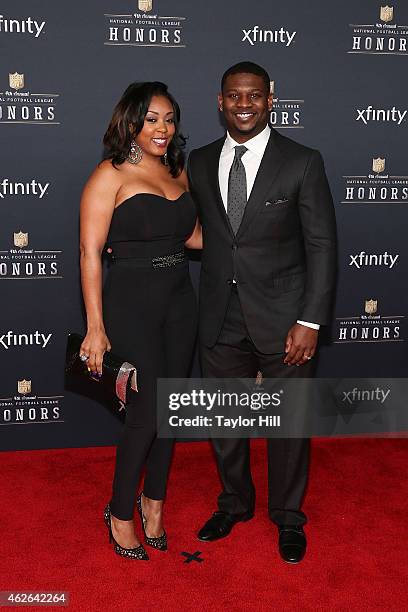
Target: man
267, 281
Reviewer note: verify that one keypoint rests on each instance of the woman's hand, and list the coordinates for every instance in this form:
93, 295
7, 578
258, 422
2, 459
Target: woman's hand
94, 346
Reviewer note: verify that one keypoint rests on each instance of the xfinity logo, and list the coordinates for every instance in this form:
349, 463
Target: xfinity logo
365, 395
272, 36
371, 114
21, 26
13, 188
11, 339
364, 259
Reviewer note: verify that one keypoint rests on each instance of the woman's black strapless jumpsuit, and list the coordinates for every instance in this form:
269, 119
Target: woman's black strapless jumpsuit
150, 316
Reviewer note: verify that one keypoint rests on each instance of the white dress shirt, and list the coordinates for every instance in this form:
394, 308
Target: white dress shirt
252, 160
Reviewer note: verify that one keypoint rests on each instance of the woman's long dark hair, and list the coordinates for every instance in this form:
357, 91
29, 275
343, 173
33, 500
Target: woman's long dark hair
131, 110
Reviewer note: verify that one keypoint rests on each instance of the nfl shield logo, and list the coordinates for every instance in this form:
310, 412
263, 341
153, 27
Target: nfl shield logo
16, 80
145, 5
378, 165
370, 307
387, 13
20, 239
24, 386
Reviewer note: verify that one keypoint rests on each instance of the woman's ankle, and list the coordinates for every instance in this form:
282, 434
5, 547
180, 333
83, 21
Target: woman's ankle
151, 502
121, 522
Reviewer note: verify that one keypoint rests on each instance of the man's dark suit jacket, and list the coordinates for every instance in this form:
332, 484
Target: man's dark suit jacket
284, 254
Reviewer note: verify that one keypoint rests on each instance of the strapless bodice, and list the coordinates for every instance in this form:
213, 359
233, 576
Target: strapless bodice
154, 224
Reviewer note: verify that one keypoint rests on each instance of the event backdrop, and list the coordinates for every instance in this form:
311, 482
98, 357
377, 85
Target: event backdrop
339, 78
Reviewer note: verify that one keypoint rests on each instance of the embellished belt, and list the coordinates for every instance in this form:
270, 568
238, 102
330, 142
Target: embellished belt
161, 261
164, 261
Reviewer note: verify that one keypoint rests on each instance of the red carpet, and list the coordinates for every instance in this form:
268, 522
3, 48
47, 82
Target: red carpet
53, 536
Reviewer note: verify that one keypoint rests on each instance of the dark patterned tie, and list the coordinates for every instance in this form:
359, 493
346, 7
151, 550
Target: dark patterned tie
237, 189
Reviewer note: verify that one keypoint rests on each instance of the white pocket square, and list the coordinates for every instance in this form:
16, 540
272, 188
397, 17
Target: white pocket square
279, 201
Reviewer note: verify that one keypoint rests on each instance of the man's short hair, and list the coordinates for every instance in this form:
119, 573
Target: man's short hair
247, 68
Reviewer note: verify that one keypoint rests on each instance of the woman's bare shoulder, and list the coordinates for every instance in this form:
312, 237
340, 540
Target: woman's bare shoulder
106, 169
105, 175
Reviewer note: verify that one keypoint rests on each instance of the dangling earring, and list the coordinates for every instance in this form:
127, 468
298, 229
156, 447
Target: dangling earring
165, 159
135, 154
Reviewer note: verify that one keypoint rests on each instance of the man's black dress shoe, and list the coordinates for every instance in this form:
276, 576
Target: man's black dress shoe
292, 543
220, 525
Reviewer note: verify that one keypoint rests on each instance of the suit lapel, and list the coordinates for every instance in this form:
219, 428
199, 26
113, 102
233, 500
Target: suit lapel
213, 165
268, 170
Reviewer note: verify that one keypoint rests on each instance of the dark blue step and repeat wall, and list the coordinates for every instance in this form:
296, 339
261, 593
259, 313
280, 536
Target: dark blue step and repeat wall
338, 72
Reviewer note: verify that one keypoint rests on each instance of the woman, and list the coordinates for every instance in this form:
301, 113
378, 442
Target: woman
136, 205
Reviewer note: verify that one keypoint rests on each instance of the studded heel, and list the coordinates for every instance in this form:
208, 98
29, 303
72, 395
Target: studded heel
130, 553
159, 543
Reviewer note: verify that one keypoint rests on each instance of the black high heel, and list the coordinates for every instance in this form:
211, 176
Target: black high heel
131, 553
161, 542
